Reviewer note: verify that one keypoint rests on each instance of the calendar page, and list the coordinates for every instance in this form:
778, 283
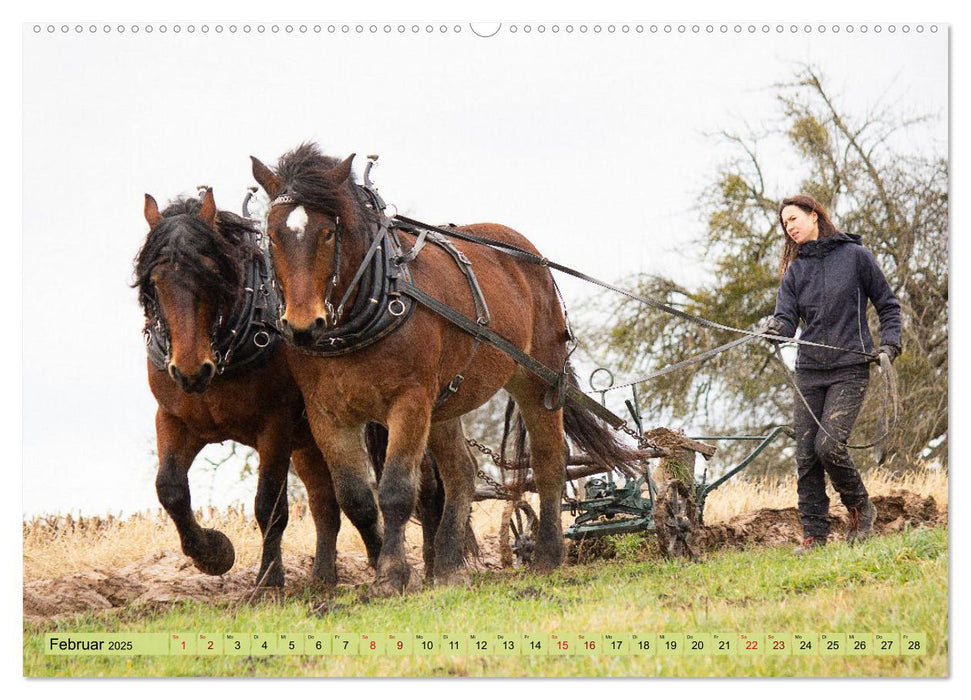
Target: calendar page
514, 349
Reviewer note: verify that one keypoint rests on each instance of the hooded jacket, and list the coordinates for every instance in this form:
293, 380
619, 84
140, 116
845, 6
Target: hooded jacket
827, 287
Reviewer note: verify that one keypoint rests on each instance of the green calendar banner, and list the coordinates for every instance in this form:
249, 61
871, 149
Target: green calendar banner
500, 644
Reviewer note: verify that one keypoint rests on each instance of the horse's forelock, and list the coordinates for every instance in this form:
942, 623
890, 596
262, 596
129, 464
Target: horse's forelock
305, 173
182, 239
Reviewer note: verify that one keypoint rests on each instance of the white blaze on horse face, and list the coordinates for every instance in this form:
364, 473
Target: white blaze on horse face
297, 222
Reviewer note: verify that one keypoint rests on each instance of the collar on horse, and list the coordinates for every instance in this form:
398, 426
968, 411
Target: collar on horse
388, 296
379, 308
243, 340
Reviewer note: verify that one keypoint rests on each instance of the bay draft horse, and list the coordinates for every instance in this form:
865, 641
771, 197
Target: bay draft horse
190, 273
396, 381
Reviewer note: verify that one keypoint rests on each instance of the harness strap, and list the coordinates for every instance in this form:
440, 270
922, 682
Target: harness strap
375, 245
245, 339
465, 265
693, 360
521, 358
415, 249
535, 259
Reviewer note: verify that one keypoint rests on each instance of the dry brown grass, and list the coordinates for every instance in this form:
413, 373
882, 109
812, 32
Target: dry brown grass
744, 496
58, 546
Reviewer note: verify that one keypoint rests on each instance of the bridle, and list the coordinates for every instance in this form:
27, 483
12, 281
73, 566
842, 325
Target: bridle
378, 307
331, 315
237, 340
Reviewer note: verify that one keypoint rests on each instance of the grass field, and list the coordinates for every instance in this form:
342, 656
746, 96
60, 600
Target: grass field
54, 547
896, 583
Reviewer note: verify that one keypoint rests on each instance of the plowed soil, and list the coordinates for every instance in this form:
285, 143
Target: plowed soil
168, 576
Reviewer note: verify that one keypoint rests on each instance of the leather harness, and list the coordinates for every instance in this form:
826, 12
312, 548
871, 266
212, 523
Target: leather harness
244, 340
390, 289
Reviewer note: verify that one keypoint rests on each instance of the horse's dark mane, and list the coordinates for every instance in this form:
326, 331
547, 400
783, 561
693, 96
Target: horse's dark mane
302, 172
182, 238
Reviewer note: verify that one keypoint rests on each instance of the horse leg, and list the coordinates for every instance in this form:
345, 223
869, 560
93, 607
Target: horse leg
312, 470
447, 441
431, 500
408, 425
210, 550
271, 507
547, 455
351, 473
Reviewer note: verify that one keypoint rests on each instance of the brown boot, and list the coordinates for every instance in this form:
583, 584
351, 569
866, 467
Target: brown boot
861, 522
808, 544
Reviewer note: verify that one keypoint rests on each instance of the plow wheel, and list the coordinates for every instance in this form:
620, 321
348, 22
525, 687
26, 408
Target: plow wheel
676, 520
517, 533
676, 517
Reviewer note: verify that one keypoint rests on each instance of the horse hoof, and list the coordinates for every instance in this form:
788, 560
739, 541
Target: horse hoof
219, 554
403, 580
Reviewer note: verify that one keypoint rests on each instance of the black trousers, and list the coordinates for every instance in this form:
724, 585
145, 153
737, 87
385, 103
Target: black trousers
835, 396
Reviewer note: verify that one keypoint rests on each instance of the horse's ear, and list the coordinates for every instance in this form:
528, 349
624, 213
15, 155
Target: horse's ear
268, 181
343, 171
208, 211
151, 211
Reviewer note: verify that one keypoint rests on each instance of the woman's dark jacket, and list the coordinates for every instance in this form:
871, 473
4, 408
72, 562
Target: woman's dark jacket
827, 287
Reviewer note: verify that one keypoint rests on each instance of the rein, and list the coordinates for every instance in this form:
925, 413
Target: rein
889, 376
535, 259
385, 256
890, 397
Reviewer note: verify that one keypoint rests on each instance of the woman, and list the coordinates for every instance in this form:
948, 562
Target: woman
827, 278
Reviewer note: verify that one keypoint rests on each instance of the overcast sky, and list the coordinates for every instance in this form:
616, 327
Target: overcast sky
594, 145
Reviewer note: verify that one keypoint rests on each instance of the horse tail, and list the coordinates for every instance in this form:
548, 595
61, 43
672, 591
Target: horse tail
592, 436
513, 448
376, 442
588, 434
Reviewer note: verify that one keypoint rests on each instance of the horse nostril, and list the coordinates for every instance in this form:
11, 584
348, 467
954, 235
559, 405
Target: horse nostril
320, 323
174, 372
285, 323
207, 371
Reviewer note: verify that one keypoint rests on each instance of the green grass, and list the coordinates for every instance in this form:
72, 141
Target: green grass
890, 584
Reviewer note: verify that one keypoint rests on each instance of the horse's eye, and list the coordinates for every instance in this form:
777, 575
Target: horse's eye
327, 234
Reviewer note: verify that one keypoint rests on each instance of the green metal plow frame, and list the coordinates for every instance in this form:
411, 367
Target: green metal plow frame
609, 509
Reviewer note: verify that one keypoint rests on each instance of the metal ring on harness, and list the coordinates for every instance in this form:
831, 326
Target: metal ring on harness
396, 310
610, 378
147, 335
261, 339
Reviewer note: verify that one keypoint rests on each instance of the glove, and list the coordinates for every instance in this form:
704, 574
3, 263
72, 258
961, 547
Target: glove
772, 326
891, 351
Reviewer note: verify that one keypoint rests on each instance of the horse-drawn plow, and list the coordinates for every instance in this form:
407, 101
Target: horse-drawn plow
668, 500
604, 499
384, 322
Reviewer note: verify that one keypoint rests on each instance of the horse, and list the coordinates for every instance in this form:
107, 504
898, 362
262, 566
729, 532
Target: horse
218, 375
324, 230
